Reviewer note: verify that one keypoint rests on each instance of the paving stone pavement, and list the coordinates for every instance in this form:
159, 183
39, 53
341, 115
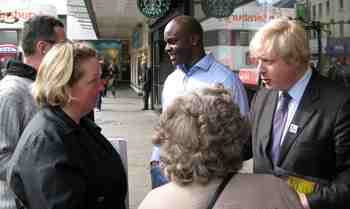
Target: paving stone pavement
122, 117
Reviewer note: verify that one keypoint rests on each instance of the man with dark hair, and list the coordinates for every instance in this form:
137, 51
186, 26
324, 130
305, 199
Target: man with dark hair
17, 105
194, 70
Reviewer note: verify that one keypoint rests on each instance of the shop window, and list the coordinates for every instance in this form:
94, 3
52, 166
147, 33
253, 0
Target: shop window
320, 10
313, 12
224, 37
243, 38
328, 9
341, 29
341, 4
8, 37
211, 38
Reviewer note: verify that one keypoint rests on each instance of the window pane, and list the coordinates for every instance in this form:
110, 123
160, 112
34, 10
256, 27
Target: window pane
8, 37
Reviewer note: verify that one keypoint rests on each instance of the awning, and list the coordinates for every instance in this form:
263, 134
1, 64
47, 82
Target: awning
338, 47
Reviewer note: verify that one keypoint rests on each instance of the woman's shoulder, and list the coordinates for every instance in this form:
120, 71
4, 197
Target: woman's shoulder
173, 195
258, 191
253, 183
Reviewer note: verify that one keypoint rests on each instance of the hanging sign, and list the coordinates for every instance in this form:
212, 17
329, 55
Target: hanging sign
218, 8
154, 8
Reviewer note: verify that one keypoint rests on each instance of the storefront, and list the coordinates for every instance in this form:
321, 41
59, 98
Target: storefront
139, 55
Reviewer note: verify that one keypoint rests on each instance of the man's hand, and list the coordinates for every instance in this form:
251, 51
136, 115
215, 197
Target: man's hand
303, 200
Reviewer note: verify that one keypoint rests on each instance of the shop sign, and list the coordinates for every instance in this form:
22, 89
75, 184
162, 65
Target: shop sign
248, 17
154, 8
13, 16
8, 49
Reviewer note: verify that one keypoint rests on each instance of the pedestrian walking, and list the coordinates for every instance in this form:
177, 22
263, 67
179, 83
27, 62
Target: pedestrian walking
147, 86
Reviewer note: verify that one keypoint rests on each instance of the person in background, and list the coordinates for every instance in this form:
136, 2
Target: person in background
114, 79
195, 69
106, 76
201, 136
340, 72
62, 160
147, 85
17, 106
300, 120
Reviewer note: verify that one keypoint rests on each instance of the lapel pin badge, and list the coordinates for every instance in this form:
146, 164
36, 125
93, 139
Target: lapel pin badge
293, 129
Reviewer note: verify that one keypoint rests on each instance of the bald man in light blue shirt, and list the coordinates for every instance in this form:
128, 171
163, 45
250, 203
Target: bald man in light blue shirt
194, 70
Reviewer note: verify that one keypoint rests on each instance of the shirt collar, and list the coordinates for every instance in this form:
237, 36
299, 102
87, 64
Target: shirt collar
297, 90
20, 69
203, 64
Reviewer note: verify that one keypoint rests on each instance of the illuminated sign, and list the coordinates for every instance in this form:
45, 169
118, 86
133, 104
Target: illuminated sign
15, 16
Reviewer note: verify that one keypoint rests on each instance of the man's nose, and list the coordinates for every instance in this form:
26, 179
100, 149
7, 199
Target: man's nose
260, 68
167, 47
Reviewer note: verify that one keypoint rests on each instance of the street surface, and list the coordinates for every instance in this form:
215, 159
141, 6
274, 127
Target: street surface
122, 117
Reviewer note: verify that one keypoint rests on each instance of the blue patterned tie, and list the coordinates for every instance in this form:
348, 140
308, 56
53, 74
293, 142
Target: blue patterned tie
279, 122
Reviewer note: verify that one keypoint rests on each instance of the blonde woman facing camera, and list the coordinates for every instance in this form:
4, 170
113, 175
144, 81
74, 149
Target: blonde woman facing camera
62, 160
200, 137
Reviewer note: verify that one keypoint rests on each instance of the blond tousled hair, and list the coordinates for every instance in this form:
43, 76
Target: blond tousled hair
283, 38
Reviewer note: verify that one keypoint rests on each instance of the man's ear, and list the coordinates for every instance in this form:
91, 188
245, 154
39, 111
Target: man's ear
194, 40
41, 47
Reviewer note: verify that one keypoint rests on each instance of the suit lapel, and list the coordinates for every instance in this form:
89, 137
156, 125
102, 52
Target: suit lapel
267, 120
306, 109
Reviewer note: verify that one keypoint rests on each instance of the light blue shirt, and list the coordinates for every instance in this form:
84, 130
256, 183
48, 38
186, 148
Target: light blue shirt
205, 73
296, 92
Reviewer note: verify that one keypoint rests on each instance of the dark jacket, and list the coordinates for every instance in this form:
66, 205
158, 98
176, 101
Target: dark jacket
59, 164
147, 79
318, 148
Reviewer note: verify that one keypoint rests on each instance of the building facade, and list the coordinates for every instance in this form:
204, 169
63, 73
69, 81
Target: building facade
334, 19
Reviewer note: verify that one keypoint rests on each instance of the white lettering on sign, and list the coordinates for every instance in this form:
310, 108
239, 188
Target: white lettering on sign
15, 16
248, 18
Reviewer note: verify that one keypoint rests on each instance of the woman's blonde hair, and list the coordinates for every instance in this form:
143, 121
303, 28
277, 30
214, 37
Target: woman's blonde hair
283, 38
201, 136
58, 71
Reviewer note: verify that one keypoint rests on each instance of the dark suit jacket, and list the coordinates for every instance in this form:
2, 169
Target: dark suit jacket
320, 148
147, 79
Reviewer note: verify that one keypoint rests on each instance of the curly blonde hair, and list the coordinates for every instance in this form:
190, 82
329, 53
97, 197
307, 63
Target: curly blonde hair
201, 136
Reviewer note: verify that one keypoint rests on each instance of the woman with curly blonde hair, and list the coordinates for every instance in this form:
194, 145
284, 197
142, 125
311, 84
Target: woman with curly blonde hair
200, 137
